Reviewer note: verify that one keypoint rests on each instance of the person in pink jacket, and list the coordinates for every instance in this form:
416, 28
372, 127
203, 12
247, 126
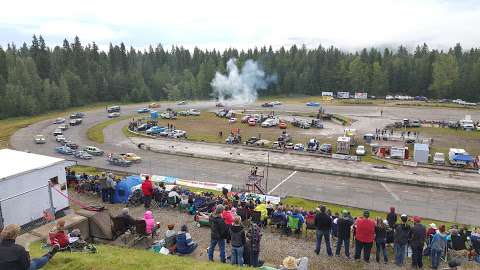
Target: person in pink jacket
148, 217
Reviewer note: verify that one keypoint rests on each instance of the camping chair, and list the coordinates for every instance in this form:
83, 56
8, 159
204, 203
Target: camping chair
119, 228
276, 221
140, 232
293, 225
309, 225
257, 218
172, 201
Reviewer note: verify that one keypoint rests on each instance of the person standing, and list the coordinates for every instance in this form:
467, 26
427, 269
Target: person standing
147, 190
402, 233
364, 236
102, 183
417, 242
254, 236
110, 187
218, 233
437, 246
381, 240
237, 235
15, 257
392, 218
344, 224
323, 223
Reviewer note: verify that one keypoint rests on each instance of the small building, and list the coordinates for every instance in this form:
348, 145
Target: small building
24, 192
421, 151
343, 145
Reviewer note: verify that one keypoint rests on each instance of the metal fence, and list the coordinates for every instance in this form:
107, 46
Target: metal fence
11, 208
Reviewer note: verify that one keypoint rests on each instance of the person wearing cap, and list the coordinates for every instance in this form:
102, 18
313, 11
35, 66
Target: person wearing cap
364, 236
402, 233
290, 263
417, 241
437, 246
184, 243
323, 223
218, 233
15, 257
344, 224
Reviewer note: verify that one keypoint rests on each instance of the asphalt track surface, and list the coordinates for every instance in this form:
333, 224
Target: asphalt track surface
440, 204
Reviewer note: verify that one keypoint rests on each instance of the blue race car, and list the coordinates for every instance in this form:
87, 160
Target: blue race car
155, 130
143, 110
312, 104
65, 150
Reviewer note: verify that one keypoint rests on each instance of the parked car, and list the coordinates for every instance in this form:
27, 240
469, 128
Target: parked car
252, 122
119, 161
439, 158
251, 141
144, 127
63, 127
113, 115
59, 121
270, 122
113, 109
92, 150
232, 120
326, 148
39, 139
82, 155
312, 104
60, 138
389, 97
153, 105
299, 147
143, 110
71, 145
267, 104
131, 157
77, 115
64, 150
415, 123
57, 132
183, 102
282, 125
155, 130
289, 145
76, 122
177, 134
361, 151
194, 112
261, 143
276, 102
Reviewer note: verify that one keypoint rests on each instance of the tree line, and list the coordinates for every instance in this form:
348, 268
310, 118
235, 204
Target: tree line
35, 78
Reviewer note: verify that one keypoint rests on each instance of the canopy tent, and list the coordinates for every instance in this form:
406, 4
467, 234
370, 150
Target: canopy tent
124, 188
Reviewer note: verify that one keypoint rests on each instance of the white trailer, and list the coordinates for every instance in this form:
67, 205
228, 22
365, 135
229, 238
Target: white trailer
24, 192
421, 152
343, 145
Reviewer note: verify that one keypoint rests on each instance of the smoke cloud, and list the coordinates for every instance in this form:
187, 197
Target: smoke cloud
240, 86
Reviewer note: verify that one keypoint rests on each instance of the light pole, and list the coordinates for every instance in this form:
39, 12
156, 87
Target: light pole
266, 177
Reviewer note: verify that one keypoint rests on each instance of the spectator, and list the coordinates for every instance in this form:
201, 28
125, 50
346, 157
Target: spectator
402, 233
458, 246
170, 238
15, 257
184, 243
228, 219
364, 237
280, 214
147, 189
127, 221
417, 241
254, 236
238, 241
149, 221
475, 238
110, 184
438, 245
290, 263
218, 233
58, 236
301, 219
344, 226
432, 230
392, 217
381, 240
102, 182
323, 223
174, 197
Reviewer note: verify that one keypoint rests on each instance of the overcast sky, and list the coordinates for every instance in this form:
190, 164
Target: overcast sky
348, 24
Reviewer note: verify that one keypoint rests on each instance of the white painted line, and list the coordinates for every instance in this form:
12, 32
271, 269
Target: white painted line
391, 192
283, 181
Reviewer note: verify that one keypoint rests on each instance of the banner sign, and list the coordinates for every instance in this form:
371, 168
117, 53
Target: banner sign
345, 157
361, 95
263, 198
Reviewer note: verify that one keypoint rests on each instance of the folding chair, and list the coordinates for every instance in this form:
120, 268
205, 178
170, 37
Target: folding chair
293, 224
276, 221
140, 232
309, 225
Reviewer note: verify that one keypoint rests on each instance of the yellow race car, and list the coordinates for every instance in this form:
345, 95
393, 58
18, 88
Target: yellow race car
131, 157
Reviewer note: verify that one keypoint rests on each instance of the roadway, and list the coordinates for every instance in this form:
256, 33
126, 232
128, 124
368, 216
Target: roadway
433, 203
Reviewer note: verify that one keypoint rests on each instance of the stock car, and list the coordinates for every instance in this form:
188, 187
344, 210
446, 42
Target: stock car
65, 150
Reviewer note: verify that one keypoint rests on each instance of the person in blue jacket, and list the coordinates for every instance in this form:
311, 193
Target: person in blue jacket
185, 244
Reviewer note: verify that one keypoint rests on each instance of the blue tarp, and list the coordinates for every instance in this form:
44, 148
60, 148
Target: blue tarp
465, 158
124, 188
154, 114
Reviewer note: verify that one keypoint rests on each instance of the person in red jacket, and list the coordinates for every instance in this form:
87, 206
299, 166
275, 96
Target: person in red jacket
364, 237
58, 236
147, 189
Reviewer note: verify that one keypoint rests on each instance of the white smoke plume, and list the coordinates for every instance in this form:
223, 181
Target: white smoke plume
240, 86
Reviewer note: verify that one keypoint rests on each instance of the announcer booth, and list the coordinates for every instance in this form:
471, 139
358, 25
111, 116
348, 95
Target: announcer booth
26, 195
